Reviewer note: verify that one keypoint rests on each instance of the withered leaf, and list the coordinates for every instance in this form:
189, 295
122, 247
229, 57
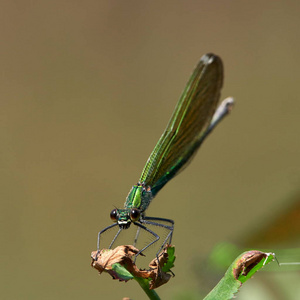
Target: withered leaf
247, 262
108, 258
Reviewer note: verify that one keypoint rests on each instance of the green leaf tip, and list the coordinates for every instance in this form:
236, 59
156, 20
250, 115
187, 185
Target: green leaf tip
239, 272
121, 272
170, 260
250, 262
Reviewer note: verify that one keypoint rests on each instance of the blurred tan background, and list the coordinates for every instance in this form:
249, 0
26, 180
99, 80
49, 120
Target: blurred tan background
87, 88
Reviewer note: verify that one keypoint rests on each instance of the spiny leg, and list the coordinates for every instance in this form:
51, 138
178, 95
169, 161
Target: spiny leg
99, 234
136, 236
150, 231
147, 220
114, 239
154, 219
171, 228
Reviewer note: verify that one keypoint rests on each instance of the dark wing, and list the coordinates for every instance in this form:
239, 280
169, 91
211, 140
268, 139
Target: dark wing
190, 120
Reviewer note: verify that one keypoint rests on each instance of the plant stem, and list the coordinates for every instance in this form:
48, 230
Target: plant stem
144, 283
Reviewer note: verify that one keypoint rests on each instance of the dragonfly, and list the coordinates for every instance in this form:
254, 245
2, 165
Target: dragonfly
195, 116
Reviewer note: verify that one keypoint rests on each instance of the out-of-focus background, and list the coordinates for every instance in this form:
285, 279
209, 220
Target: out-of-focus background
87, 88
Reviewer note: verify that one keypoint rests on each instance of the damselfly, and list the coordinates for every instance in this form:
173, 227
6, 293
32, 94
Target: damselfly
194, 117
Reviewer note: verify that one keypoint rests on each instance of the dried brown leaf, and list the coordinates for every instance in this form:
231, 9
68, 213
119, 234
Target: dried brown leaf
247, 262
123, 255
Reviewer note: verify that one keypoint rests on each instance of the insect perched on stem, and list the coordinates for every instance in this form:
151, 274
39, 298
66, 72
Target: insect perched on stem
194, 117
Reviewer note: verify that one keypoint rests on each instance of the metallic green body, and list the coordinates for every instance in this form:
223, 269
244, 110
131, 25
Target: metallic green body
139, 197
193, 119
183, 135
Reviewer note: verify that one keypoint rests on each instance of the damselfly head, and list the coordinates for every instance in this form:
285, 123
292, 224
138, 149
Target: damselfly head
114, 215
135, 214
124, 217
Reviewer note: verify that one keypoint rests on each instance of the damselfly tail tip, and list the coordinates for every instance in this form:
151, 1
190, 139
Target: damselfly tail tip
224, 109
228, 104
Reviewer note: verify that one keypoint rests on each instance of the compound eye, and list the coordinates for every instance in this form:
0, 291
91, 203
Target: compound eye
114, 215
135, 214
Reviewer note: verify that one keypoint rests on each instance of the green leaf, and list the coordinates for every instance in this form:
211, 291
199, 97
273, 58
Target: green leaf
268, 258
121, 272
171, 258
239, 272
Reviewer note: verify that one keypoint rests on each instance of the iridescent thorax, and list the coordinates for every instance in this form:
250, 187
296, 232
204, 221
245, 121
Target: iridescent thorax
139, 197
